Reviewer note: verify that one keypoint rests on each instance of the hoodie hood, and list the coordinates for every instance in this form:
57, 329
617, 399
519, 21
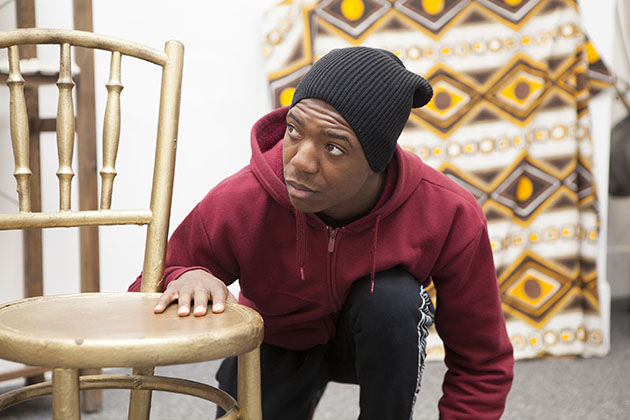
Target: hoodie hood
404, 172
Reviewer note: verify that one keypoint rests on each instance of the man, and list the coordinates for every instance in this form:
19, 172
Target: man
334, 232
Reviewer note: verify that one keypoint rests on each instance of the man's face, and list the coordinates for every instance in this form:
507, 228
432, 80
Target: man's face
325, 169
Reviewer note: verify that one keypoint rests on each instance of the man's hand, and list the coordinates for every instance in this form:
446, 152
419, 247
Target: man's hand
198, 286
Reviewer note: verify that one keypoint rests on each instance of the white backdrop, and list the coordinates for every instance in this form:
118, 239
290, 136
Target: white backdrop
224, 93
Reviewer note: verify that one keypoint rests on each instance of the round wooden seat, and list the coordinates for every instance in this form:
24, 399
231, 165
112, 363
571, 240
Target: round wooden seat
120, 330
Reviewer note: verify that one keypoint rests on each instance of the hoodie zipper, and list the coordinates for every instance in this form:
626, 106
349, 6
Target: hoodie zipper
332, 236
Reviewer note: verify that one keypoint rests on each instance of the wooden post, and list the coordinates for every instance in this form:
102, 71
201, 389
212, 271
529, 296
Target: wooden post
86, 133
88, 194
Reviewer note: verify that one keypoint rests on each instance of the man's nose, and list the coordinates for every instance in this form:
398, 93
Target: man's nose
305, 158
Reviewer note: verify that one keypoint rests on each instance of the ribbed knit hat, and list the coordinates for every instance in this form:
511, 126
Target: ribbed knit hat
373, 92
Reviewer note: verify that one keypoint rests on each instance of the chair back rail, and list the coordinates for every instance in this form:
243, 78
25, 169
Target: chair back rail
157, 215
65, 128
111, 131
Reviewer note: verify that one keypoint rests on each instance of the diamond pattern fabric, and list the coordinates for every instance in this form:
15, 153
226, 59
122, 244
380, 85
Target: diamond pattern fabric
508, 121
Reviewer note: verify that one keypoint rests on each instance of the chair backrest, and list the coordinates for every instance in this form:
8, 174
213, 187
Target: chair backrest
157, 214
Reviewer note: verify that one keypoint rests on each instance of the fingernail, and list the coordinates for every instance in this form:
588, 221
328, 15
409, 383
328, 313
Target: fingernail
217, 308
182, 310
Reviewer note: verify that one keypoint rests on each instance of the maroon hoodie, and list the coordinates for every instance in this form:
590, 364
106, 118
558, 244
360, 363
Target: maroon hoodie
297, 272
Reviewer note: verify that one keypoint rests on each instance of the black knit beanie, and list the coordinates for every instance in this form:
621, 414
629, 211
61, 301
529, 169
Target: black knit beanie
372, 90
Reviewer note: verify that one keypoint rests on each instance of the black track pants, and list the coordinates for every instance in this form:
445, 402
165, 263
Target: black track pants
379, 345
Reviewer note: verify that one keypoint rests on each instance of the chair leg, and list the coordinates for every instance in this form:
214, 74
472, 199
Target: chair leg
66, 404
140, 400
249, 400
91, 400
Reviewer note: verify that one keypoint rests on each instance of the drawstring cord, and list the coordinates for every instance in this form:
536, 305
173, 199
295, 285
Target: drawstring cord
373, 254
300, 223
300, 228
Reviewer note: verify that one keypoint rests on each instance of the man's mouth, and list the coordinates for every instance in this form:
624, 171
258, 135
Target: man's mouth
298, 190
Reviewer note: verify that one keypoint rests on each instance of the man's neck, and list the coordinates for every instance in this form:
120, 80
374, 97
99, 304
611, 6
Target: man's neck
363, 206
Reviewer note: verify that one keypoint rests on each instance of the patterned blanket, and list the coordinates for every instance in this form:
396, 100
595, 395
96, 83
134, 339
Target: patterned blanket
508, 121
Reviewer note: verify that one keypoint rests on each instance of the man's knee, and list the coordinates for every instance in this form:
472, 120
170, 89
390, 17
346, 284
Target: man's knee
395, 303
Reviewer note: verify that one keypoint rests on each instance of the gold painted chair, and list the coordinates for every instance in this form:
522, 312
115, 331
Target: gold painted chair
101, 330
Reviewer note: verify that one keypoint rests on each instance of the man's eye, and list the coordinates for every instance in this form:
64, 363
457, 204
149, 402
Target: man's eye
334, 150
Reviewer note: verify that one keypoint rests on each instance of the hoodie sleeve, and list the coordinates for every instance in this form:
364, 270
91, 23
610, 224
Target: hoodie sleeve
190, 247
469, 319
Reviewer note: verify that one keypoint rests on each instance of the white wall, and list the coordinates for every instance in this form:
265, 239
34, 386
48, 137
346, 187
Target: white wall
224, 92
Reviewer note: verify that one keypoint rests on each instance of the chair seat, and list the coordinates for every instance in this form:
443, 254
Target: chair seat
92, 330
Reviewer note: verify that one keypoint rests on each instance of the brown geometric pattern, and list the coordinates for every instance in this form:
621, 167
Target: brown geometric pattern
520, 89
508, 122
452, 100
353, 17
525, 190
434, 16
532, 287
512, 11
515, 92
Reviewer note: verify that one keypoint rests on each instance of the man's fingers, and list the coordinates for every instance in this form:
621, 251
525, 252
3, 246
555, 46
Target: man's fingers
184, 299
218, 293
166, 298
201, 302
197, 286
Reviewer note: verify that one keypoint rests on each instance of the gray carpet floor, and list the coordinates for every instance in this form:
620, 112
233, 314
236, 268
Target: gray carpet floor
549, 389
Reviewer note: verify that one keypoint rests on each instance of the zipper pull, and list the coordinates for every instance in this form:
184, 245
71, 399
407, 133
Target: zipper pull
331, 239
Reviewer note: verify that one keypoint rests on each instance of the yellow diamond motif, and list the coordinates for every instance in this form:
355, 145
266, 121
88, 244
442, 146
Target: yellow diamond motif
533, 288
521, 90
446, 101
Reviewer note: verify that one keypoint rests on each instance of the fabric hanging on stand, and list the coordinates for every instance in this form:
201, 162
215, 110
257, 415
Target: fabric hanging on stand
508, 121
